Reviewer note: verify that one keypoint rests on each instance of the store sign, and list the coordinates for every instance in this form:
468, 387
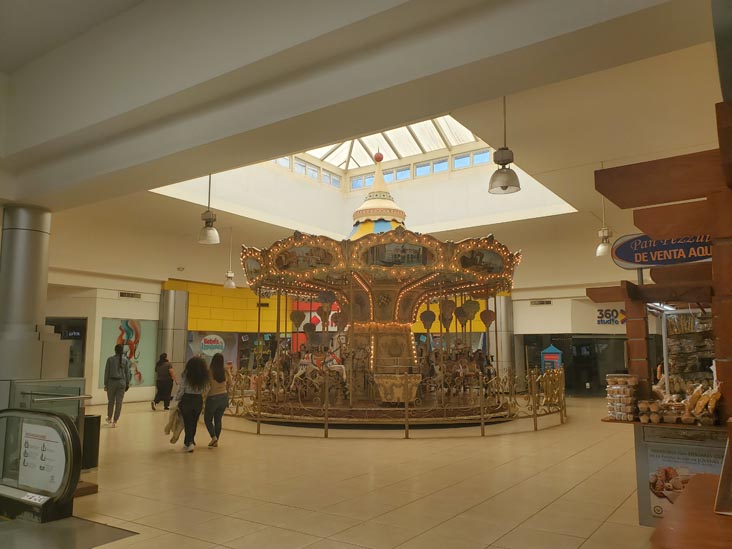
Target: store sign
610, 317
212, 344
42, 459
639, 251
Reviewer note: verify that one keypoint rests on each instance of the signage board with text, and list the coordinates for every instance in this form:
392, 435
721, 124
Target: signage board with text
638, 251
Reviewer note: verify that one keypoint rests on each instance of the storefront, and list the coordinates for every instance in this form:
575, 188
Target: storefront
591, 337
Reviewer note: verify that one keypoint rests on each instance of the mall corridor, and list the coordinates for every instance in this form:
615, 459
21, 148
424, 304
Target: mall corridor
563, 487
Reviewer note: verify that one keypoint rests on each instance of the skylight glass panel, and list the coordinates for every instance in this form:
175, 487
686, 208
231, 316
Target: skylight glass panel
456, 133
403, 141
377, 143
320, 152
300, 166
420, 170
368, 180
356, 182
440, 165
388, 176
481, 157
340, 155
360, 155
428, 135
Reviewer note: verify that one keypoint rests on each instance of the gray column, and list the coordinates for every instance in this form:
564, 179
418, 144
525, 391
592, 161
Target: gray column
173, 327
505, 344
28, 348
24, 268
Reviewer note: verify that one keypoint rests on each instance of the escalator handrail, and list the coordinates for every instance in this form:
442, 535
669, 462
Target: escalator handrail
71, 441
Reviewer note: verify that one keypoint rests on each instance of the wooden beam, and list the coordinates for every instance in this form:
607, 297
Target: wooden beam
674, 179
607, 294
684, 275
674, 221
657, 293
724, 133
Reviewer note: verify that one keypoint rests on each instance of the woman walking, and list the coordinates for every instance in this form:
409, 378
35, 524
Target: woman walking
194, 382
218, 398
164, 379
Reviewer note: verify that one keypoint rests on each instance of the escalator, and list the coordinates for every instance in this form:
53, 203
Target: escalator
40, 466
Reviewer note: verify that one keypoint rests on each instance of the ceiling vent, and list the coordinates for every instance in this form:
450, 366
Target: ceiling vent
540, 302
130, 295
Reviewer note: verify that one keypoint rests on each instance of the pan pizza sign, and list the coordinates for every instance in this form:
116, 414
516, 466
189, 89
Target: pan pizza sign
640, 251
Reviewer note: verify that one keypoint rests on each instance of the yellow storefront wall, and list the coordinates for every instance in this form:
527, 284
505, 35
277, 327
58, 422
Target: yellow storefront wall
212, 307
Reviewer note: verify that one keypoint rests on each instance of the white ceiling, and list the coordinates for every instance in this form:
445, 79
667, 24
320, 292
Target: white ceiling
31, 28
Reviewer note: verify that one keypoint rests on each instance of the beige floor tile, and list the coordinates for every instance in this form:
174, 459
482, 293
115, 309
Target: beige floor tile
220, 530
176, 518
582, 509
376, 535
621, 535
273, 538
274, 514
331, 544
471, 529
526, 538
428, 540
172, 540
223, 504
448, 487
627, 513
563, 523
320, 524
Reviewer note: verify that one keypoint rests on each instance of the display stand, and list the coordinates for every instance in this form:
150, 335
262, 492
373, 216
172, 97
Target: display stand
41, 465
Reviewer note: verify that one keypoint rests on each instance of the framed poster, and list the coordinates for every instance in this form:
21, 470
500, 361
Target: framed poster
139, 338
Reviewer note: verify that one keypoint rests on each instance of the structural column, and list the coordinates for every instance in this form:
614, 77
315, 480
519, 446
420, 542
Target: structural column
23, 290
504, 348
173, 331
636, 327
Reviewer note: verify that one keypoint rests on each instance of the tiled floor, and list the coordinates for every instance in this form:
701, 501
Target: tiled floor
564, 487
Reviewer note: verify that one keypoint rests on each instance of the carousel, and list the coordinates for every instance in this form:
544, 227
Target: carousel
375, 290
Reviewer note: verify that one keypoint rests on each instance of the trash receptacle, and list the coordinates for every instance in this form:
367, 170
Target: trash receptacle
90, 446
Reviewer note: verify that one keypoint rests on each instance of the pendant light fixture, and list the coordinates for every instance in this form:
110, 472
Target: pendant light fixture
229, 283
603, 248
208, 234
504, 180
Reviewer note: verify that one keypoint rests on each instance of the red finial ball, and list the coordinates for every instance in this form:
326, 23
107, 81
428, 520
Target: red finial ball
378, 157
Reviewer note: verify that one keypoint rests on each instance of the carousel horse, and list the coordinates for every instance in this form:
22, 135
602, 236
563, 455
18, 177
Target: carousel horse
273, 379
310, 364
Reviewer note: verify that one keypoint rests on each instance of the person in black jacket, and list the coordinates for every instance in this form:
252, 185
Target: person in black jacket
164, 379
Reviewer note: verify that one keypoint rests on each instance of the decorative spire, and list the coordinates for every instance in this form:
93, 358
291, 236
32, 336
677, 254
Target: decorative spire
379, 205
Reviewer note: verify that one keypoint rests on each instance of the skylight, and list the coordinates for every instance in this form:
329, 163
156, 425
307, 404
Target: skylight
442, 133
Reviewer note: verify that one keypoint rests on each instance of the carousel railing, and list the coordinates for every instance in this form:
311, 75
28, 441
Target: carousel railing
458, 397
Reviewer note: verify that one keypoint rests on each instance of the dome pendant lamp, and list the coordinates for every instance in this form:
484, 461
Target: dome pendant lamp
229, 283
208, 234
504, 180
603, 248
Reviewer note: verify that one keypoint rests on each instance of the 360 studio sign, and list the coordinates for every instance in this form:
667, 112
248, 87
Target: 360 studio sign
610, 317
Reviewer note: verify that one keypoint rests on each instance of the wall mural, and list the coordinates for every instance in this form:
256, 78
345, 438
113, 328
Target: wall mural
139, 339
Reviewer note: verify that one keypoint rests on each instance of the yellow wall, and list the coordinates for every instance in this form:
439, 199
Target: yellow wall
212, 307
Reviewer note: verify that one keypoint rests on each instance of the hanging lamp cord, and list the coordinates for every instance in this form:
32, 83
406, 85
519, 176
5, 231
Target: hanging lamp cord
504, 121
208, 207
231, 243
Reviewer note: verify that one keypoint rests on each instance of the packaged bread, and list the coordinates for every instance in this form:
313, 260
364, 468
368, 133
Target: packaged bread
695, 396
714, 398
702, 402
